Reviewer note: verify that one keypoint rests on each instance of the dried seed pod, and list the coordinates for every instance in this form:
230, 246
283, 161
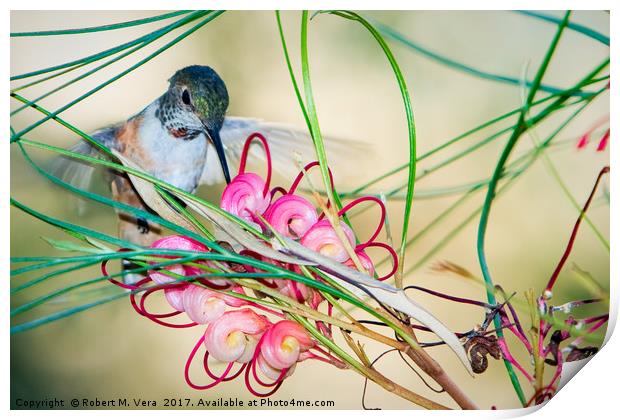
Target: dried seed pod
479, 347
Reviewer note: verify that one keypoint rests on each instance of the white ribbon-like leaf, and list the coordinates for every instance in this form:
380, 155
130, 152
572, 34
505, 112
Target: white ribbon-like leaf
385, 293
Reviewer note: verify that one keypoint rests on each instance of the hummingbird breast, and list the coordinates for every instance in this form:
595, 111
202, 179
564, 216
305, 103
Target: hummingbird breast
174, 160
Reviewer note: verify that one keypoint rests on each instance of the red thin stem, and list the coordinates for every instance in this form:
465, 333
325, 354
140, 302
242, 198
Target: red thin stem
573, 235
510, 359
450, 297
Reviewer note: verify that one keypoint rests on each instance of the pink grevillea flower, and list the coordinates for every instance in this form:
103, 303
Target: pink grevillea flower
291, 215
245, 197
233, 336
248, 194
322, 238
178, 242
203, 305
282, 346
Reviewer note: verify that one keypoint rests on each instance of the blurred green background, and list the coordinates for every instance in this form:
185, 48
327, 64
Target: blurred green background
109, 352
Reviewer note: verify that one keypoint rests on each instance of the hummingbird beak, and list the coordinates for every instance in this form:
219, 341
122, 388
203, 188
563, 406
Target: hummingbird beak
214, 136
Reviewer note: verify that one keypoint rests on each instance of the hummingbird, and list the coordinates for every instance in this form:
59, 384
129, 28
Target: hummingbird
184, 138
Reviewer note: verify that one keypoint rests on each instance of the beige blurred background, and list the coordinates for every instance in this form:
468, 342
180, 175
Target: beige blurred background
109, 352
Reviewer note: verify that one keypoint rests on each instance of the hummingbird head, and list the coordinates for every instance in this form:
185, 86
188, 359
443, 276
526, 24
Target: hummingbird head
196, 102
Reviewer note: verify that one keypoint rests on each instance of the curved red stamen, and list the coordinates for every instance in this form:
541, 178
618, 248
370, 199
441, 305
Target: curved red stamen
389, 249
136, 307
188, 363
265, 384
221, 377
253, 391
132, 296
356, 202
244, 157
104, 271
252, 367
278, 189
155, 317
301, 174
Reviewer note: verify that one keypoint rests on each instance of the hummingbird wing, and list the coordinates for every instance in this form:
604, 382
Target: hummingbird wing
77, 172
290, 148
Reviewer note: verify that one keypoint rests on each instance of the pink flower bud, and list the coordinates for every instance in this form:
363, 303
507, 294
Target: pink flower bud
245, 196
322, 238
179, 242
283, 344
291, 215
233, 336
174, 296
602, 144
204, 305
583, 141
271, 372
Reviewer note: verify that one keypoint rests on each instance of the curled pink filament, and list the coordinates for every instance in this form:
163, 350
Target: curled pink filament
203, 305
179, 242
322, 238
282, 346
245, 197
234, 335
291, 216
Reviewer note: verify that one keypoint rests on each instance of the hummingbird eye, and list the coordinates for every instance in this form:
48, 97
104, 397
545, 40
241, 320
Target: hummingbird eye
185, 97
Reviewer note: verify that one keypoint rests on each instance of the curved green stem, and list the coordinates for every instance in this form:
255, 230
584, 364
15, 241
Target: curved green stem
499, 168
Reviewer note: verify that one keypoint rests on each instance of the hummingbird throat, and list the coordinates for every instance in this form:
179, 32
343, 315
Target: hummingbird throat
177, 121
